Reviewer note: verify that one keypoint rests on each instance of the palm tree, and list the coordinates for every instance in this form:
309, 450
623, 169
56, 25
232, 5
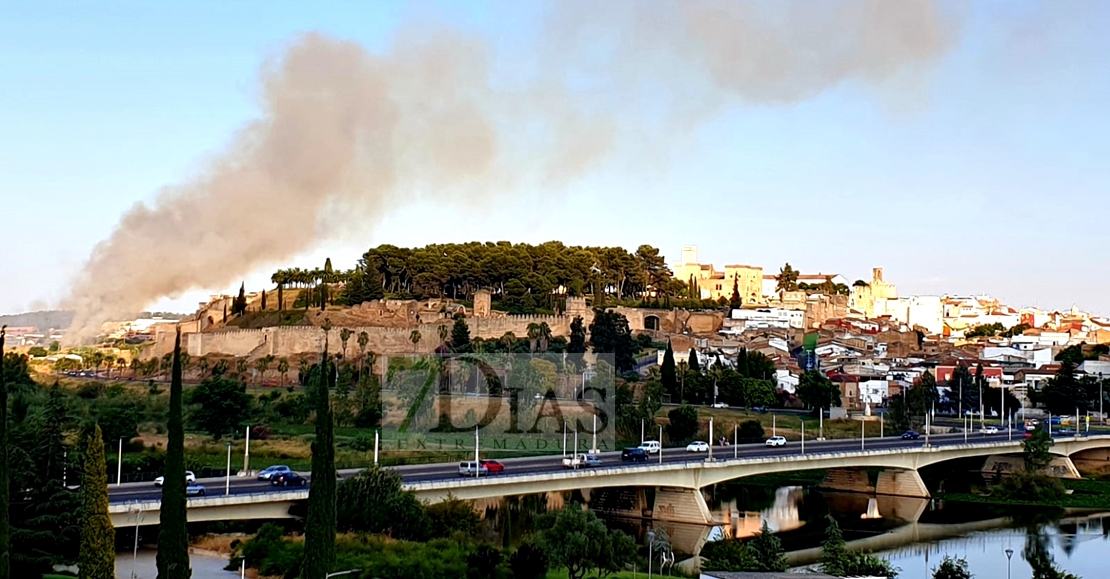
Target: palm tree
344, 335
167, 363
186, 362
544, 336
414, 337
263, 364
508, 339
110, 361
283, 368
443, 333
304, 366
136, 366
280, 277
121, 364
241, 366
203, 364
363, 340
371, 358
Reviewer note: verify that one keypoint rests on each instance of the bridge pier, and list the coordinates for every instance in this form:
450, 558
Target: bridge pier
901, 483
894, 482
680, 505
1060, 466
630, 502
852, 480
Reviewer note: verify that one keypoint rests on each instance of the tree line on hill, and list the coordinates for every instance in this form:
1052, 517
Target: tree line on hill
521, 278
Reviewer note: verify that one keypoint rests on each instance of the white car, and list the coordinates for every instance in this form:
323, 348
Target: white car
990, 430
697, 446
651, 446
776, 441
189, 478
720, 405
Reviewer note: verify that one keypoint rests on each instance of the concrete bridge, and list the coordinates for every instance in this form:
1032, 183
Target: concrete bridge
678, 486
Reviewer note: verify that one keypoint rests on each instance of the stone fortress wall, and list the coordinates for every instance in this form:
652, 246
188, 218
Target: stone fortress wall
389, 325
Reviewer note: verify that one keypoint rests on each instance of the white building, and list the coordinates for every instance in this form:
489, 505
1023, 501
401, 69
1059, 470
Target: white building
1095, 367
926, 312
873, 392
786, 381
770, 318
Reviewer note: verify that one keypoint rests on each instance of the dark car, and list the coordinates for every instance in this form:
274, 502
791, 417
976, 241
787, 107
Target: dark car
910, 435
289, 479
634, 454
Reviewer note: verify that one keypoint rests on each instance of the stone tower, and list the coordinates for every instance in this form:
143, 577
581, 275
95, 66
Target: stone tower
577, 307
481, 303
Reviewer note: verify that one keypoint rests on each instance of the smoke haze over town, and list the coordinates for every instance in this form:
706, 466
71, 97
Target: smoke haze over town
645, 122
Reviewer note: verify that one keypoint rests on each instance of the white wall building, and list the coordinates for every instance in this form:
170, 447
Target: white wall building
786, 380
873, 392
770, 318
927, 312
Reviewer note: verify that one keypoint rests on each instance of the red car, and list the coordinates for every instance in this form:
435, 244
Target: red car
493, 466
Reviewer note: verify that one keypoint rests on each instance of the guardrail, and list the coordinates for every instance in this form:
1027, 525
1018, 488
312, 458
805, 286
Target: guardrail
698, 461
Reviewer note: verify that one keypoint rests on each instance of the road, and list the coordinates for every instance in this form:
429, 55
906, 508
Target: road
128, 492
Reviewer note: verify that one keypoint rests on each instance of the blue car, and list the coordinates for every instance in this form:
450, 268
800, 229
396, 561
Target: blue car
194, 490
910, 435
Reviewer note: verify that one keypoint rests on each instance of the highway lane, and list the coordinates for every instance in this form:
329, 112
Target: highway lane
553, 463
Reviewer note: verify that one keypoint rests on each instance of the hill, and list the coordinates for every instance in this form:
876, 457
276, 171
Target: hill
57, 319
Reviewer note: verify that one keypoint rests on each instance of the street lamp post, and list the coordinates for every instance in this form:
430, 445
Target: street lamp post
710, 457
135, 556
1009, 555
651, 545
119, 465
227, 475
247, 454
660, 444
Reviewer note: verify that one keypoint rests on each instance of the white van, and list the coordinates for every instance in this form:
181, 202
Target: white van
471, 468
651, 446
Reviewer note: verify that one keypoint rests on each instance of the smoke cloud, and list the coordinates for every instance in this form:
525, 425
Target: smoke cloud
345, 134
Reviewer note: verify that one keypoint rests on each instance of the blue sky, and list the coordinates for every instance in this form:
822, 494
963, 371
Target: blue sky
987, 175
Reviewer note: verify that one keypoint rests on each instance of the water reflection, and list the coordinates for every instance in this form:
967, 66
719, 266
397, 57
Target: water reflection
912, 533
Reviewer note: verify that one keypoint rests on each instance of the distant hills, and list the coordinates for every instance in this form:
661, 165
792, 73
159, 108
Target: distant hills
57, 319
61, 319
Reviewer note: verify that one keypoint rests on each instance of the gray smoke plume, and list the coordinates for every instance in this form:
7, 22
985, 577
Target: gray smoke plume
343, 132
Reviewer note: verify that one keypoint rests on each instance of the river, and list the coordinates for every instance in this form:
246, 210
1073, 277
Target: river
913, 534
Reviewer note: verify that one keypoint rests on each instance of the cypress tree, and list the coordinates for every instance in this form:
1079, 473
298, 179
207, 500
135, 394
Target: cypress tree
667, 371
320, 524
173, 536
735, 302
694, 365
97, 556
5, 543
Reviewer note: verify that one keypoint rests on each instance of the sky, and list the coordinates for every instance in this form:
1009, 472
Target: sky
983, 173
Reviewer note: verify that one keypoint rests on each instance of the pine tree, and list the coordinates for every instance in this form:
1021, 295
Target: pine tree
767, 551
460, 335
173, 536
694, 364
5, 539
667, 371
239, 305
577, 343
97, 556
320, 524
834, 553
